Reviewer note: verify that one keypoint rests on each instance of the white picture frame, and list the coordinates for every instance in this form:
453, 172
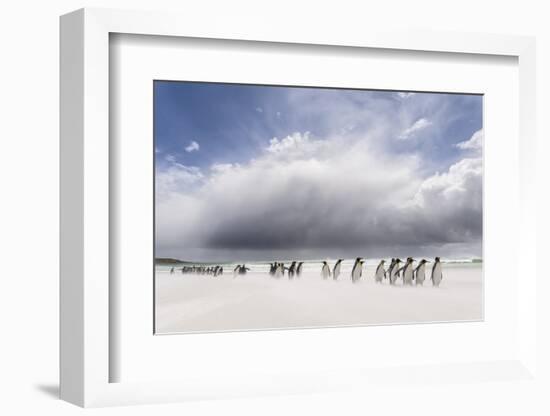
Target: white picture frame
85, 220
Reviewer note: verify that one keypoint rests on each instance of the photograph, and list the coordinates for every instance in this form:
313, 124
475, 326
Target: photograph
293, 207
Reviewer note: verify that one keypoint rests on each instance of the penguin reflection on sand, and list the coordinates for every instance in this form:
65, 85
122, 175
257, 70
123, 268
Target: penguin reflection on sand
394, 271
357, 270
380, 272
420, 272
407, 270
336, 269
325, 271
437, 272
299, 269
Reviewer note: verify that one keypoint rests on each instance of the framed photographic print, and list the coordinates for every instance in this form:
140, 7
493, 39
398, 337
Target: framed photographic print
263, 213
291, 207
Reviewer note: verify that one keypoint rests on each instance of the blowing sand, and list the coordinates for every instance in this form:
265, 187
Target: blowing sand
200, 303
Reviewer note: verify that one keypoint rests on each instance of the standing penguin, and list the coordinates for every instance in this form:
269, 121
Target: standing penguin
390, 268
236, 270
336, 269
172, 270
272, 268
357, 270
380, 272
292, 270
437, 272
325, 271
420, 272
280, 270
394, 272
299, 269
407, 270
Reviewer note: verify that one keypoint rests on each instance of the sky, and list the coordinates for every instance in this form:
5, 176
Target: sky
251, 173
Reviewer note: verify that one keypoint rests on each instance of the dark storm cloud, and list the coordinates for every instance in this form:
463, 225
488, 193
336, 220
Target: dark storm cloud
320, 197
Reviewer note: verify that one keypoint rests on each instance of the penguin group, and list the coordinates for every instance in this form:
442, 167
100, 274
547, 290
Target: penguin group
240, 269
396, 270
202, 270
278, 270
408, 273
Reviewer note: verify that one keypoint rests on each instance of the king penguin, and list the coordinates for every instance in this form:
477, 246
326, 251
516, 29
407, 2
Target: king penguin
390, 268
437, 272
394, 272
420, 272
325, 271
280, 270
408, 272
357, 269
236, 270
292, 270
336, 270
380, 272
299, 269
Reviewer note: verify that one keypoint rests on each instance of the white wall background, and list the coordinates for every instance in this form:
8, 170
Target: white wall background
29, 56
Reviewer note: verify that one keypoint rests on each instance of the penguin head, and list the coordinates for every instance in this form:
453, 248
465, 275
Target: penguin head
437, 259
382, 262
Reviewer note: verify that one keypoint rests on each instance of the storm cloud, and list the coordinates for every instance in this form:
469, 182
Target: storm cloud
341, 195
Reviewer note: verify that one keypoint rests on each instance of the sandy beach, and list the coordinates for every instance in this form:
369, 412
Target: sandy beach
203, 303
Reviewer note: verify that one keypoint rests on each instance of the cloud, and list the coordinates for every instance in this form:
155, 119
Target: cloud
336, 196
449, 204
405, 95
259, 109
474, 143
192, 147
418, 125
292, 142
221, 168
176, 179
